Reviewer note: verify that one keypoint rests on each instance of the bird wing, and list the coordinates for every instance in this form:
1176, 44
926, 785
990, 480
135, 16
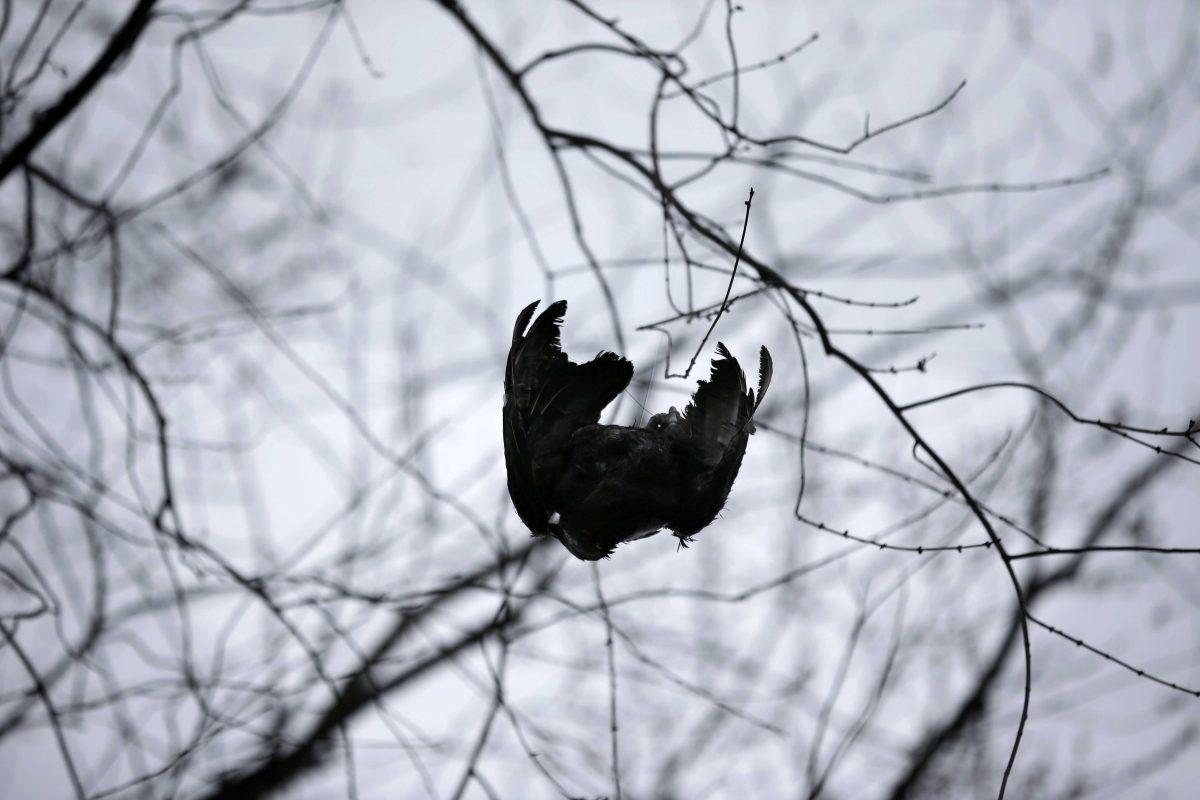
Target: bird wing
547, 397
719, 409
719, 420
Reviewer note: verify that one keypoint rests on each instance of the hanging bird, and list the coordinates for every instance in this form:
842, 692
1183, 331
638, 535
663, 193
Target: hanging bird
594, 486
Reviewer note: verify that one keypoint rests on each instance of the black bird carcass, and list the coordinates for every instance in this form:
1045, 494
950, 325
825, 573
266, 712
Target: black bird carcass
594, 486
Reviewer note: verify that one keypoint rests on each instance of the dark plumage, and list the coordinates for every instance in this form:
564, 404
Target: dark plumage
594, 486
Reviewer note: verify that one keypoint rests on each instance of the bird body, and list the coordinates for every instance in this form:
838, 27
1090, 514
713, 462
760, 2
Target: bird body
593, 486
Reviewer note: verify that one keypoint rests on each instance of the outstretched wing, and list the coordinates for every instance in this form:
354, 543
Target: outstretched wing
719, 410
547, 397
719, 421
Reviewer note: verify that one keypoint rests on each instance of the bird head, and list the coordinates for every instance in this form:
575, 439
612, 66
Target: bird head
671, 423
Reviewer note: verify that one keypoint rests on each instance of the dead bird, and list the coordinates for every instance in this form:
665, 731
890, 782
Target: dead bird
594, 486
